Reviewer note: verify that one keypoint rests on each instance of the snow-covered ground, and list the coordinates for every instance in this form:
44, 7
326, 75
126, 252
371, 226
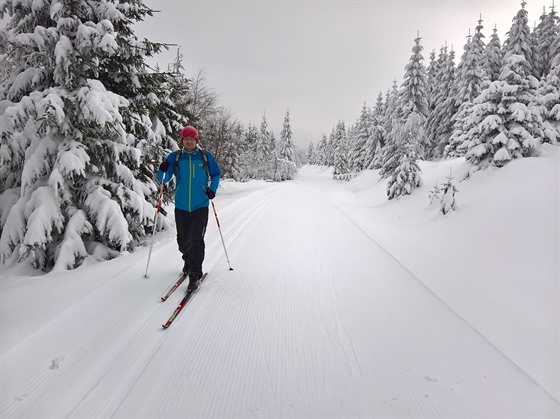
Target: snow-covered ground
340, 304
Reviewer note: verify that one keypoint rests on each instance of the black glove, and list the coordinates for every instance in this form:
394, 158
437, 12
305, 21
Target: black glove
164, 167
210, 193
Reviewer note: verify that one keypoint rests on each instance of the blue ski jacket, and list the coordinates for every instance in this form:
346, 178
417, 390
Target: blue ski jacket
191, 178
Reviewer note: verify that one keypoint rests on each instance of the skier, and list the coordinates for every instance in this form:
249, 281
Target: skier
193, 169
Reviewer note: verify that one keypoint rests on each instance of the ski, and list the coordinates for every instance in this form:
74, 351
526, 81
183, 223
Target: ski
183, 303
175, 286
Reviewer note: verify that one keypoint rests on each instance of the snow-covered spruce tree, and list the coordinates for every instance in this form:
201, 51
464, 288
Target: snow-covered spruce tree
413, 95
286, 169
505, 121
264, 160
493, 57
448, 191
393, 110
409, 124
439, 124
311, 155
470, 80
321, 152
247, 146
406, 175
431, 79
393, 114
549, 99
360, 155
74, 124
520, 41
545, 34
352, 134
376, 137
435, 194
330, 149
341, 164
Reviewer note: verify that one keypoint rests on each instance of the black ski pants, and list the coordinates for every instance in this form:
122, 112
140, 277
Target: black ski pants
191, 227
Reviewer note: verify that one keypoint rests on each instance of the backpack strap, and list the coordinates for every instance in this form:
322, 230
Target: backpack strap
205, 160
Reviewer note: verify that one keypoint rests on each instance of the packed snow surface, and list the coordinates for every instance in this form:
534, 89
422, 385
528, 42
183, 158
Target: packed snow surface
341, 304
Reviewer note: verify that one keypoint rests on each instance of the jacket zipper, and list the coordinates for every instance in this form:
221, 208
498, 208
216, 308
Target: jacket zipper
191, 175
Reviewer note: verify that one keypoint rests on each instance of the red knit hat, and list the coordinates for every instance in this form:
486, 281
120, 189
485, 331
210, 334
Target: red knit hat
189, 131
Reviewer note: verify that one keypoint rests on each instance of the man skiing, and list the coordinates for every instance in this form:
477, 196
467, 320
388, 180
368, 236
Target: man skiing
193, 169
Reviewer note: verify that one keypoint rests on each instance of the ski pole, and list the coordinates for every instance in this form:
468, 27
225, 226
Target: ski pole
222, 237
154, 230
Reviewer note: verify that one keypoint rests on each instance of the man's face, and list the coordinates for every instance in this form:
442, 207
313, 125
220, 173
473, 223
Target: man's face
189, 143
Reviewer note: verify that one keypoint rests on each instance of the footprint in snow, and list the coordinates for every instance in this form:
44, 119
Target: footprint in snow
55, 364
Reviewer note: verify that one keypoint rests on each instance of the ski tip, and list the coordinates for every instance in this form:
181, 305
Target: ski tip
164, 326
163, 298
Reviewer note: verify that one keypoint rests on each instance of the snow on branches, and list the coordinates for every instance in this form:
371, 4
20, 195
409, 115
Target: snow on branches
79, 126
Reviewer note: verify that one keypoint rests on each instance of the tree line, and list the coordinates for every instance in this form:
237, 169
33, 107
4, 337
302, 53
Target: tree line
501, 102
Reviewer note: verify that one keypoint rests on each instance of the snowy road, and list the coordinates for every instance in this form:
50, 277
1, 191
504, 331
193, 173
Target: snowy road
316, 320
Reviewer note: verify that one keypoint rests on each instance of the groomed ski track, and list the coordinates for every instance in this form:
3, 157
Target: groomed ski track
288, 333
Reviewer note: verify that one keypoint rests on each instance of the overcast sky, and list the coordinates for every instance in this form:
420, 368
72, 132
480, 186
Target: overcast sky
320, 59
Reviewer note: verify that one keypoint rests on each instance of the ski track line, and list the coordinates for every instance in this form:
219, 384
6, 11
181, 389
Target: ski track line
444, 304
119, 374
344, 335
235, 229
83, 343
249, 300
38, 325
184, 378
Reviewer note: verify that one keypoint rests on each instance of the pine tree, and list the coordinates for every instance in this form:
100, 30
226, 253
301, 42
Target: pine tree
405, 176
311, 155
520, 41
393, 113
265, 159
247, 150
439, 123
549, 99
361, 155
413, 100
78, 141
545, 35
330, 149
414, 88
448, 191
286, 154
470, 80
494, 56
470, 71
341, 163
322, 151
432, 79
376, 137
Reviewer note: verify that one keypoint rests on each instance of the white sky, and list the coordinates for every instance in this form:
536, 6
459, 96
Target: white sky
320, 59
